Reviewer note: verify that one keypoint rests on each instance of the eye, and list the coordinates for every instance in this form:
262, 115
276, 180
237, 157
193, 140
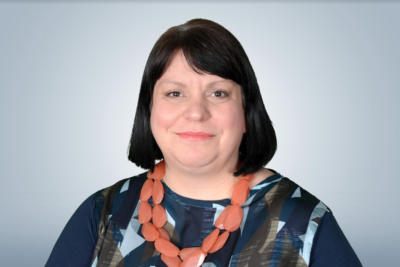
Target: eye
220, 94
173, 94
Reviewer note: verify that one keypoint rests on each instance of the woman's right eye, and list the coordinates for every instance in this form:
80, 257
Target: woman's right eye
174, 94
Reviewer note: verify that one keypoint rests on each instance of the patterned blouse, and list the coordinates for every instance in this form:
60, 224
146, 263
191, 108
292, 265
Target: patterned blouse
283, 225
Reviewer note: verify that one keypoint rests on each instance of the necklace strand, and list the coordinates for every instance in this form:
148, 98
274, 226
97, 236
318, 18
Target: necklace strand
228, 221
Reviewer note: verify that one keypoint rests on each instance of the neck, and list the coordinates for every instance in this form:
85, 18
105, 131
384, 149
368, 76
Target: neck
201, 184
205, 184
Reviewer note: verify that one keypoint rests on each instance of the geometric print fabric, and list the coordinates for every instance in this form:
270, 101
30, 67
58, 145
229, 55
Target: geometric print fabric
279, 222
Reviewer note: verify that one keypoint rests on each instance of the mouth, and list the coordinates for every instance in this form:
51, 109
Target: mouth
195, 136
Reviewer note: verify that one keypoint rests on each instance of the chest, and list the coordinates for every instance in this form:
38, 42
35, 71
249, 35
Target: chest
262, 239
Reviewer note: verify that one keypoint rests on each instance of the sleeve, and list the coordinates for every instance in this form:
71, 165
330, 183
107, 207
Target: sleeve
330, 246
76, 244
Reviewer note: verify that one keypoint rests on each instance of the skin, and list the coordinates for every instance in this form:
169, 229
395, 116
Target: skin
184, 100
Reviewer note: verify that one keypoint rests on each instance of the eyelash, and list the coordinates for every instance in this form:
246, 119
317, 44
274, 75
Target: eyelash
220, 91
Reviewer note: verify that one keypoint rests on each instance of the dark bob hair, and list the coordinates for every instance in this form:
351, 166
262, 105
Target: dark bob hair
208, 48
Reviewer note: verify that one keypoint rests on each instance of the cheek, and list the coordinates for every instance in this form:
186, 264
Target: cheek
162, 117
232, 120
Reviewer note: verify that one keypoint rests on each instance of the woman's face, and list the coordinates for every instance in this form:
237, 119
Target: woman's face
196, 120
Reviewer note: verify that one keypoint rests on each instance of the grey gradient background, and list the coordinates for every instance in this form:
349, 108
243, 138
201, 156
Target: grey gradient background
70, 75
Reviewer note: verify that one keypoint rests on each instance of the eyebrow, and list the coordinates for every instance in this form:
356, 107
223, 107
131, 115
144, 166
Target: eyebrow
183, 85
173, 82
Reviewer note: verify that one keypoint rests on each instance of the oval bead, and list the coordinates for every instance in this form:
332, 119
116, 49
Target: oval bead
145, 212
159, 171
196, 259
158, 192
163, 233
149, 232
171, 261
220, 242
159, 216
186, 252
234, 218
209, 241
240, 192
147, 190
166, 247
222, 217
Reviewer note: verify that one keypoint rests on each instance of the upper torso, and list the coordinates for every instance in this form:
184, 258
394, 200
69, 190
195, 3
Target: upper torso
278, 227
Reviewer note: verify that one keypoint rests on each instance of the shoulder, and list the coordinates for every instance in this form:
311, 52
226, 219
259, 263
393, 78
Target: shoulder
109, 199
85, 229
297, 212
285, 190
299, 207
307, 224
282, 191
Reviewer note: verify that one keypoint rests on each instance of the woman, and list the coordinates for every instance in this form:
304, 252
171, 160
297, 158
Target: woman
209, 201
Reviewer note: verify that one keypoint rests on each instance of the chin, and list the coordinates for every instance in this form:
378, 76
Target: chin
195, 160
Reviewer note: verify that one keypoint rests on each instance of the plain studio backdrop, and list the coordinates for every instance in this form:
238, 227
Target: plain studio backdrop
70, 74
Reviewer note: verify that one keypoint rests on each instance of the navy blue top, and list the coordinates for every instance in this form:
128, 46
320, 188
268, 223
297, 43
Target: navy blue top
283, 225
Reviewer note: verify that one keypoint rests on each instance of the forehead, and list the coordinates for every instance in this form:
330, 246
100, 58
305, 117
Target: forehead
178, 72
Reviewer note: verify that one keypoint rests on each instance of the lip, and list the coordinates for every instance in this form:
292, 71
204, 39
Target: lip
195, 136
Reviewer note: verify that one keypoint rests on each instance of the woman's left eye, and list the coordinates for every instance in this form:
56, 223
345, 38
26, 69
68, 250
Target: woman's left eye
220, 93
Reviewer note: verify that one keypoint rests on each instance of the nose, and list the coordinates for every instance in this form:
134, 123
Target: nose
196, 109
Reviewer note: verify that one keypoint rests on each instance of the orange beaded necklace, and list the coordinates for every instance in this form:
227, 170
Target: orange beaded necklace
229, 220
